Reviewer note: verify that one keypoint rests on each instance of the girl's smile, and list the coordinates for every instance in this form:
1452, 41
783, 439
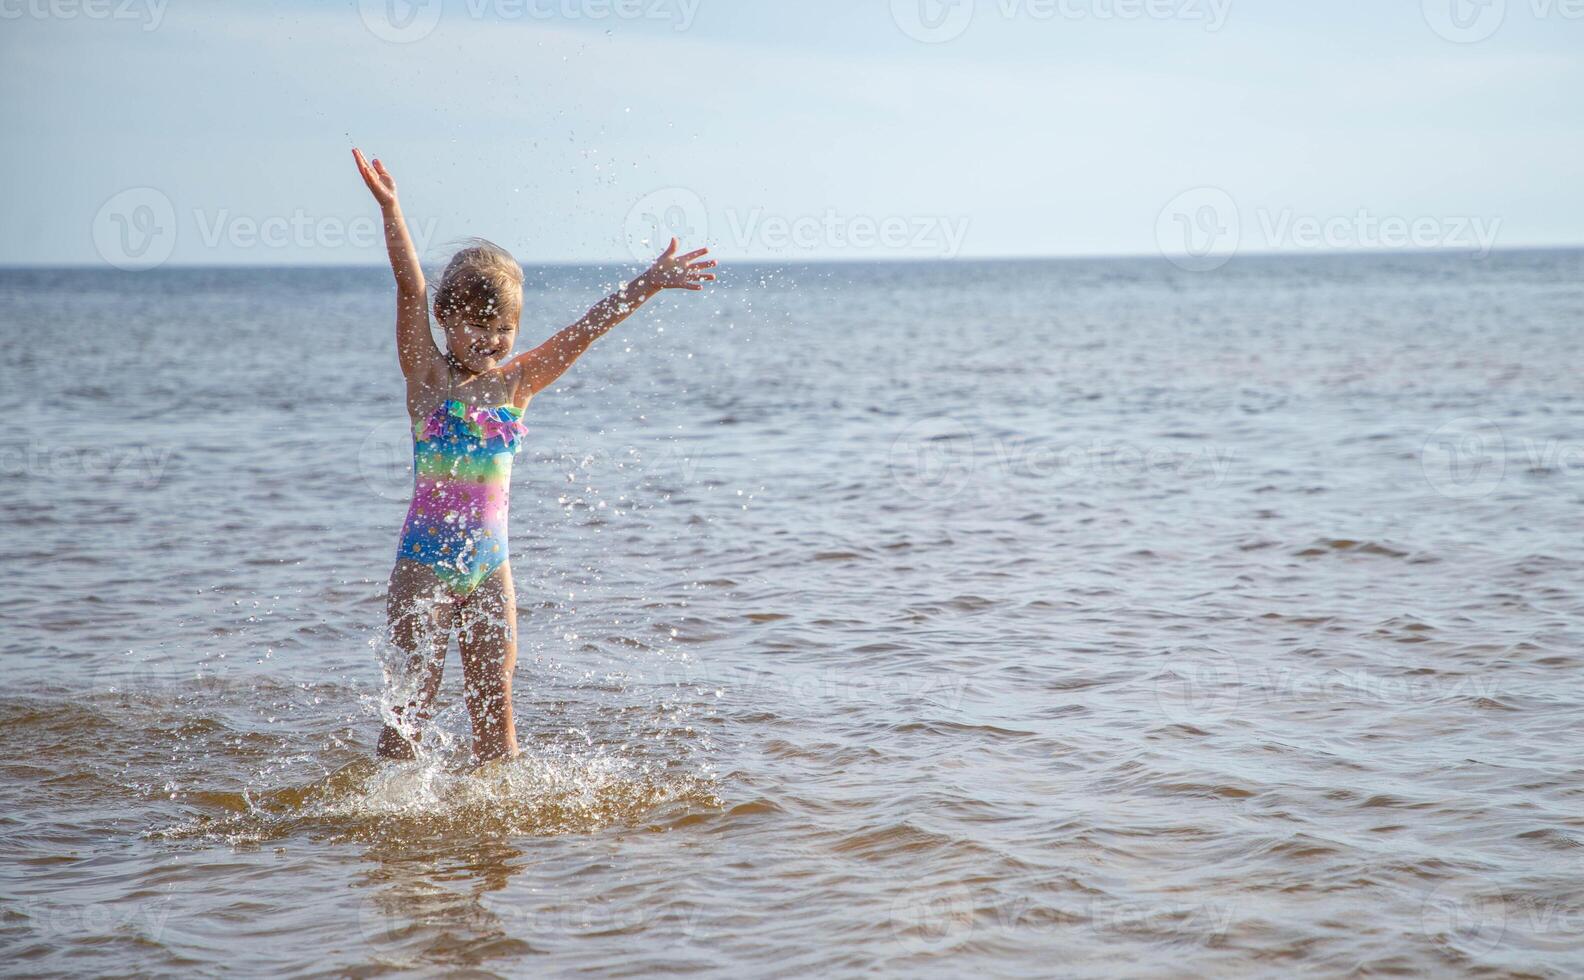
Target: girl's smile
481, 346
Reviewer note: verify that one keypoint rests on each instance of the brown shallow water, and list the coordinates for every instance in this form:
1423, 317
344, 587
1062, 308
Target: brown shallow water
1017, 619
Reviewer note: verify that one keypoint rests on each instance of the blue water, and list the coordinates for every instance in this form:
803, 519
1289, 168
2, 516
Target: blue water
1078, 617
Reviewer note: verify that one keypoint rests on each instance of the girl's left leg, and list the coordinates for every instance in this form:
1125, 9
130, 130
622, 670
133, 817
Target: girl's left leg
420, 614
487, 638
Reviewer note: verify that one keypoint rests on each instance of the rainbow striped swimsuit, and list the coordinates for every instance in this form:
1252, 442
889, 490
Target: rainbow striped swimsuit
462, 463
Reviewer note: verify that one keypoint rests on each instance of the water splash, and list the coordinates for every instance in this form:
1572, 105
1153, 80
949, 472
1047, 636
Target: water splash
550, 790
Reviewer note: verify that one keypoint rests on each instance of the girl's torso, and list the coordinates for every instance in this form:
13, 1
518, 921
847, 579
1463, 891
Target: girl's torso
462, 464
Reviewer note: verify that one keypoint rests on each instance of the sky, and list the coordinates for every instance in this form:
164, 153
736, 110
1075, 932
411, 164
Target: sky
141, 133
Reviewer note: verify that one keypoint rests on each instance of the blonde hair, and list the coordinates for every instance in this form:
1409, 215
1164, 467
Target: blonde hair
482, 279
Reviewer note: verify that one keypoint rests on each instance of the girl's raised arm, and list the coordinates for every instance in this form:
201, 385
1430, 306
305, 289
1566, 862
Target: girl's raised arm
415, 346
540, 367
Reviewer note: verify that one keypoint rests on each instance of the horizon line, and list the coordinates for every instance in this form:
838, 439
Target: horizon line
846, 260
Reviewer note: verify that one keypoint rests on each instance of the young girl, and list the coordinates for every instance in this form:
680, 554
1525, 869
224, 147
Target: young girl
466, 404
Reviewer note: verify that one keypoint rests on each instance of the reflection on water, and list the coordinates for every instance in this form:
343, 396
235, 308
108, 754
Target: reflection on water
1009, 618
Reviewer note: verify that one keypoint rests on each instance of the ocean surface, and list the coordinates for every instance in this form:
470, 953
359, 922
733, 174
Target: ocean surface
1077, 618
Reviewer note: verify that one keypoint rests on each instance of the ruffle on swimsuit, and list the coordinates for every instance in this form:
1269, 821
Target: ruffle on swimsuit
455, 418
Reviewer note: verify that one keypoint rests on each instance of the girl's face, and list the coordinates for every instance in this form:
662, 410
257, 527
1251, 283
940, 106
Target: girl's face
480, 343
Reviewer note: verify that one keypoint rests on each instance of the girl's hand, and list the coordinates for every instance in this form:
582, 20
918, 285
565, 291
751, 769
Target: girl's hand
673, 271
380, 183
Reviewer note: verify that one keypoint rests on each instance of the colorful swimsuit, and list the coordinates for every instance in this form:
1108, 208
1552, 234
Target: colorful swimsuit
462, 462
